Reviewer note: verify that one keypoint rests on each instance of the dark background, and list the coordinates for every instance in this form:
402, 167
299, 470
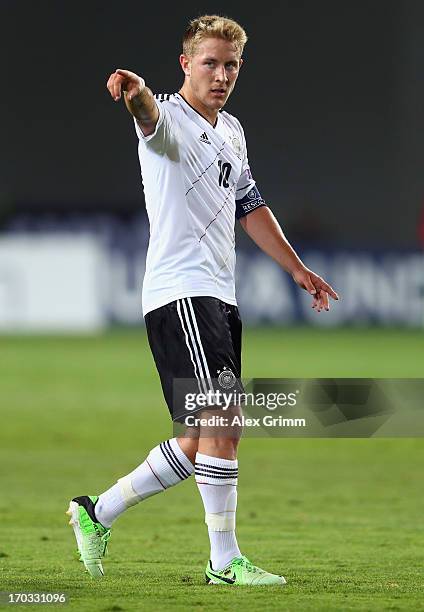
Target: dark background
330, 97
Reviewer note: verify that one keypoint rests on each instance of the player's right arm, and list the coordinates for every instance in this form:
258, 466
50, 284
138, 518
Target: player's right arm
138, 98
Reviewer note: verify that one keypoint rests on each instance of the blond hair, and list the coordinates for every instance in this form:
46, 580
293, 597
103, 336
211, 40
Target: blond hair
213, 26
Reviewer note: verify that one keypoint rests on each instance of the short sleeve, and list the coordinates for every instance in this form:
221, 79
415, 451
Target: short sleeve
162, 129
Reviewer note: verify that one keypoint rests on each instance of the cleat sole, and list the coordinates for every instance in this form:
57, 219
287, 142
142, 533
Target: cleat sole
94, 568
72, 511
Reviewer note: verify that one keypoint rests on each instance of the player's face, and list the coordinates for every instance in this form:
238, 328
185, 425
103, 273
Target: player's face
212, 72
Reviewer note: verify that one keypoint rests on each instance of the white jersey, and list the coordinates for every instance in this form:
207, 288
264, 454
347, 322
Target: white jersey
192, 174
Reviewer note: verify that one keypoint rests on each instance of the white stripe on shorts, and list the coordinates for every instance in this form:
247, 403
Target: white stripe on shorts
194, 343
199, 380
208, 376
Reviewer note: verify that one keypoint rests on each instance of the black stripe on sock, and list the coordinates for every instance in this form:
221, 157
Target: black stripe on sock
228, 474
215, 467
171, 462
215, 476
184, 470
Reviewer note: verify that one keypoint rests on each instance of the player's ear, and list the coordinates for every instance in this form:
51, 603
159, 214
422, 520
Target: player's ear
240, 62
185, 64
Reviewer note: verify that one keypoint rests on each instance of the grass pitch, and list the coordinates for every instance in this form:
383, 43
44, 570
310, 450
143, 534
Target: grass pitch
341, 519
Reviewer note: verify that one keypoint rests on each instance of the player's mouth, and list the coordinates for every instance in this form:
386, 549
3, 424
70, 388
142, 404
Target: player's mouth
220, 93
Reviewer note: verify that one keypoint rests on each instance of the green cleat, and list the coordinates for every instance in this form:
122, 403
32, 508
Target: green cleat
241, 572
91, 536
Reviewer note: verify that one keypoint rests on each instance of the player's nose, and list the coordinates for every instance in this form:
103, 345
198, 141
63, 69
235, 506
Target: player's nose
220, 74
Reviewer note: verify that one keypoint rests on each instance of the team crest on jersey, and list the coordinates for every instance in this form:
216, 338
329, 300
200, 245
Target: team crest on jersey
236, 144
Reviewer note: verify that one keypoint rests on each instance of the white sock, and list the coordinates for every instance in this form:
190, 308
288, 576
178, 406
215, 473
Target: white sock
217, 482
165, 466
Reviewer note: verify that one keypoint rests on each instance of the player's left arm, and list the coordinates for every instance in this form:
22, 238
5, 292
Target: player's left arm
266, 232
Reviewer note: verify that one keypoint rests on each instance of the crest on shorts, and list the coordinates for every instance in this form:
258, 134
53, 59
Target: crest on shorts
226, 378
236, 144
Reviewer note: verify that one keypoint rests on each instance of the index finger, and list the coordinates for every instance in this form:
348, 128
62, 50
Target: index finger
125, 73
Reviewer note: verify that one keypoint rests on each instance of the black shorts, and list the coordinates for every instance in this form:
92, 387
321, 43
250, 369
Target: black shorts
195, 341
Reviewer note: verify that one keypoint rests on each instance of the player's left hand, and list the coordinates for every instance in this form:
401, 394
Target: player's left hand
316, 286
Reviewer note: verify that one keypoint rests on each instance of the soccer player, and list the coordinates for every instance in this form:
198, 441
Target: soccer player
197, 182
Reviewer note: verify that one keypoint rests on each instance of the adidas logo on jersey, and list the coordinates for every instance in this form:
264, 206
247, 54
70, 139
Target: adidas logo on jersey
204, 138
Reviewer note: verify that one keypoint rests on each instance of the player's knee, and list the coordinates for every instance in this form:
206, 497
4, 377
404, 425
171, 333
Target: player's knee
220, 432
189, 446
226, 448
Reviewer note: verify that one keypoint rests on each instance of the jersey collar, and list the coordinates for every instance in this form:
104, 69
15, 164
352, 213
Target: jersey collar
196, 111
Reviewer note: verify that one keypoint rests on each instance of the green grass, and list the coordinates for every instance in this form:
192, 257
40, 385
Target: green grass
342, 519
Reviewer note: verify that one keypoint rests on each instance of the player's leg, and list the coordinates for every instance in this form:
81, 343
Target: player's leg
189, 443
92, 516
168, 464
217, 329
165, 466
216, 474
